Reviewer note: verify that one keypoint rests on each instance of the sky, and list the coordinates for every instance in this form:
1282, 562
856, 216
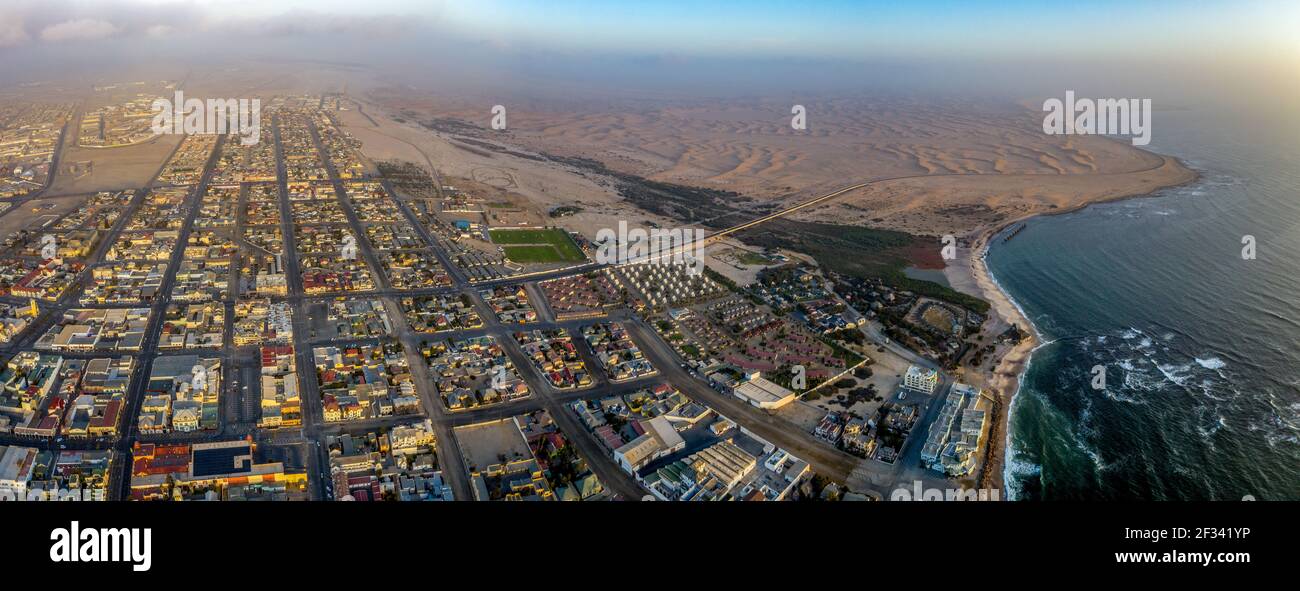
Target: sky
972, 44
856, 29
864, 29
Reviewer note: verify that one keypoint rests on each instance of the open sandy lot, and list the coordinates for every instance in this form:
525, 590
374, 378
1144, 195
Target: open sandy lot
36, 213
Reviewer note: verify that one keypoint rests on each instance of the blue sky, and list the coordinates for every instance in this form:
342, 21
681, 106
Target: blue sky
852, 30
871, 29
977, 45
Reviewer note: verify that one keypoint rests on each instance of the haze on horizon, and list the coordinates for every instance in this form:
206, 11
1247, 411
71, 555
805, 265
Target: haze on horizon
1172, 51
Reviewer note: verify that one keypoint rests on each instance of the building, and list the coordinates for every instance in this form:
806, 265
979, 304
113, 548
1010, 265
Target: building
178, 471
830, 428
956, 434
741, 468
16, 466
859, 437
764, 394
921, 380
410, 438
660, 439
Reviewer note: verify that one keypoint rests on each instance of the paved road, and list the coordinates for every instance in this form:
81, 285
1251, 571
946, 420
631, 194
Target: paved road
613, 477
305, 443
149, 348
825, 459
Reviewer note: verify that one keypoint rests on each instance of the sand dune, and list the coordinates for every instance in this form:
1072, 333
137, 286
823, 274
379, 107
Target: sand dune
1008, 167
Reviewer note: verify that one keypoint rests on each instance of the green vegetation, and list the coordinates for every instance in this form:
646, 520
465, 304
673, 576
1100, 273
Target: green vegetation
513, 236
550, 245
534, 254
565, 210
720, 279
858, 252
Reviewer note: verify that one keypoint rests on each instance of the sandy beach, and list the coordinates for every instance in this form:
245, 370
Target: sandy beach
972, 276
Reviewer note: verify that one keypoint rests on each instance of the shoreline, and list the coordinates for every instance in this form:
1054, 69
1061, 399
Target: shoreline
1006, 378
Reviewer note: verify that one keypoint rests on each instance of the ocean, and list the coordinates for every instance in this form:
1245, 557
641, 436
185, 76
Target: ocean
1200, 347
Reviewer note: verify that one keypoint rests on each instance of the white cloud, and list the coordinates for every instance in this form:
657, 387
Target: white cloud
85, 29
307, 22
160, 30
12, 33
56, 21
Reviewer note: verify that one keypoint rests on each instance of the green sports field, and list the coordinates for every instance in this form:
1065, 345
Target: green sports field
550, 245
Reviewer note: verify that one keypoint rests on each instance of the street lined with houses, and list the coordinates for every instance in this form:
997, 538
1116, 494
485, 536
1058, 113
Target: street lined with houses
301, 450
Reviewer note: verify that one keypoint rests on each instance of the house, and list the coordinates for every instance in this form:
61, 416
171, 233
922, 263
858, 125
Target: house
830, 428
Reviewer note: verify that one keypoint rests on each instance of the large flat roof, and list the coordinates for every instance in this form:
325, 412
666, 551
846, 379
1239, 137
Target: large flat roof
225, 459
762, 391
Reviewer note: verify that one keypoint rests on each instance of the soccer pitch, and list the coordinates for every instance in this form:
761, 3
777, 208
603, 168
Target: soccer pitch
550, 245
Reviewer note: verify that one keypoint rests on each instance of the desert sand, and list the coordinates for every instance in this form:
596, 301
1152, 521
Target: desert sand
1007, 167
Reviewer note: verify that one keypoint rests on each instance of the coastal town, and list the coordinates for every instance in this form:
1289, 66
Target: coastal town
1017, 269
292, 320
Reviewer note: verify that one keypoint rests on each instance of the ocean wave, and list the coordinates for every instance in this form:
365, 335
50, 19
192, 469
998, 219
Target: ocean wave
1016, 471
1014, 467
1119, 396
1176, 374
1275, 439
1136, 380
1130, 333
1208, 388
1211, 363
1084, 428
1097, 463
1215, 421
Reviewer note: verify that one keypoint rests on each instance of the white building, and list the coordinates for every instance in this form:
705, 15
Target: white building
956, 435
921, 380
760, 392
659, 440
16, 465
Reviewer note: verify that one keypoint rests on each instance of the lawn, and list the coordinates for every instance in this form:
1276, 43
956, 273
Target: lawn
551, 245
541, 253
753, 258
